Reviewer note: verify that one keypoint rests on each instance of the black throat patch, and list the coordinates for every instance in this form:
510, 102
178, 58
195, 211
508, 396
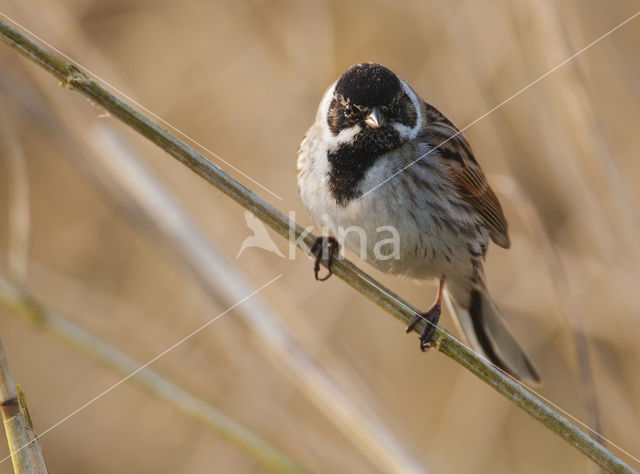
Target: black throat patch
349, 163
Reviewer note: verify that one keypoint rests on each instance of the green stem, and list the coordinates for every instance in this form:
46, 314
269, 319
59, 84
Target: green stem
72, 77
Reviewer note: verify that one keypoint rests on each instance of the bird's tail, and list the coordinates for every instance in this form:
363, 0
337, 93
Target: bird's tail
480, 321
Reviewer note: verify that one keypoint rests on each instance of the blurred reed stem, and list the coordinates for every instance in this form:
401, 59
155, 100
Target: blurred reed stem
30, 309
71, 76
18, 215
26, 455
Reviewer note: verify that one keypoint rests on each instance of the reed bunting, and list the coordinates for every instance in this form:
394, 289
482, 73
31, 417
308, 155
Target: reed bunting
379, 157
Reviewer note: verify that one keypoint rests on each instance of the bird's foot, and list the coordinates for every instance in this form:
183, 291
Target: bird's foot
324, 248
430, 318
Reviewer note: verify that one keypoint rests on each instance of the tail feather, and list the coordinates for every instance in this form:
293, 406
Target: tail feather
480, 321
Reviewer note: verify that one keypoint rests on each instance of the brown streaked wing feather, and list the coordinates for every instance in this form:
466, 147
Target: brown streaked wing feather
475, 190
466, 173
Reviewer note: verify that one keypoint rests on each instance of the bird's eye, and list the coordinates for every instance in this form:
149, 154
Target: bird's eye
348, 110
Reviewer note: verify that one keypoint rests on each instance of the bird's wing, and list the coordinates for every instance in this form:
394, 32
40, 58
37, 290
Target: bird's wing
466, 174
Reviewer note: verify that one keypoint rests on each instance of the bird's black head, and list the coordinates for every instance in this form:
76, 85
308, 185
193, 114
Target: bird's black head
373, 103
369, 85
372, 96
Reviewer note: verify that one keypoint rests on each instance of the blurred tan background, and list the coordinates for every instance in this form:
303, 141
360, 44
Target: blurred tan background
244, 79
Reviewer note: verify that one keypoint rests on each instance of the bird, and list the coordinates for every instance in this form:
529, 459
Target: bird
379, 161
260, 237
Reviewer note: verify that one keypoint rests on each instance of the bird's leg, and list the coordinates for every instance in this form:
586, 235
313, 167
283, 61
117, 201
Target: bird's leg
431, 318
324, 248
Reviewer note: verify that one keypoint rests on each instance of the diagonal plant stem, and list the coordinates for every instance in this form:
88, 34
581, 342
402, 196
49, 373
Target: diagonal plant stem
565, 301
105, 157
222, 280
31, 310
71, 76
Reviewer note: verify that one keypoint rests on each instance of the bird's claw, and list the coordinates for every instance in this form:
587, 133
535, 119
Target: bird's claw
324, 246
430, 318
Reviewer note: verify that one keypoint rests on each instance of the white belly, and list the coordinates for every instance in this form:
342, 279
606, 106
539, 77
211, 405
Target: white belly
398, 227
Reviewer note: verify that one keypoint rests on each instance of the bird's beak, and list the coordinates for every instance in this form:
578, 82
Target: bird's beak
375, 118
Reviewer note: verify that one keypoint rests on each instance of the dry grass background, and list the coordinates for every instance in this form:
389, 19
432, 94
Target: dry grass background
244, 79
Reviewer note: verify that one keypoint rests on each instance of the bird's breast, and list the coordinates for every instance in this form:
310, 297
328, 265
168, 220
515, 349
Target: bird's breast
398, 220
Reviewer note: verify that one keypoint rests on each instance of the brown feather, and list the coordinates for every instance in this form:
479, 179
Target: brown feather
466, 174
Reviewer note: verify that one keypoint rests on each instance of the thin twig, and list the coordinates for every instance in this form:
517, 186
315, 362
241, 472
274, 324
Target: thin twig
72, 77
259, 449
